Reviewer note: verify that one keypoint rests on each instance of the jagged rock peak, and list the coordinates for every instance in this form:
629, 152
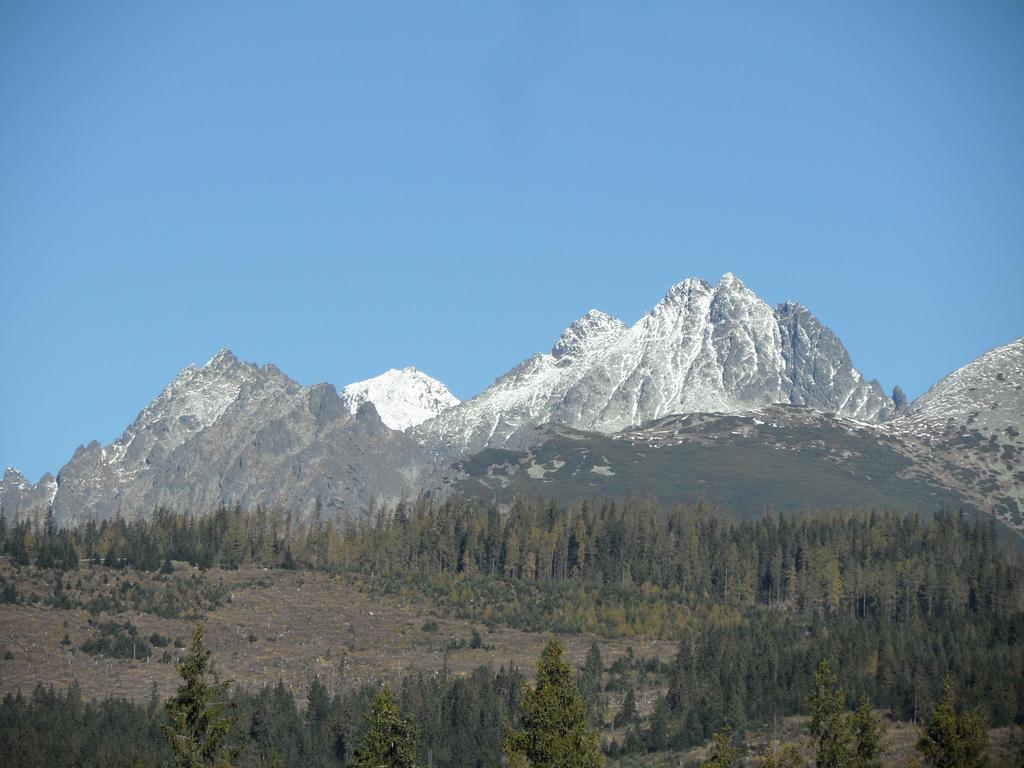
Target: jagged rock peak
592, 331
14, 476
683, 291
20, 498
402, 397
224, 357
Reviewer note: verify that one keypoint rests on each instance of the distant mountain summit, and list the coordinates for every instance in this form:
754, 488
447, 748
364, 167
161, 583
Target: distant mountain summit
403, 398
702, 348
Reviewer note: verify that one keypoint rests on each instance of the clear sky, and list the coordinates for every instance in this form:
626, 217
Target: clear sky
340, 188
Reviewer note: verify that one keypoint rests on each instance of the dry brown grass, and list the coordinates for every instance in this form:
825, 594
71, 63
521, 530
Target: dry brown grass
305, 623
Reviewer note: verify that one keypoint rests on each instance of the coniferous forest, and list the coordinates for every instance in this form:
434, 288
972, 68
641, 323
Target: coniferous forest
904, 608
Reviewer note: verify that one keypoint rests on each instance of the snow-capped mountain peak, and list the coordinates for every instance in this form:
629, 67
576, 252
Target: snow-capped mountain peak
403, 397
701, 348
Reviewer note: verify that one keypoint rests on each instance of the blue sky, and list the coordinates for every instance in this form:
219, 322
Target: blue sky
341, 188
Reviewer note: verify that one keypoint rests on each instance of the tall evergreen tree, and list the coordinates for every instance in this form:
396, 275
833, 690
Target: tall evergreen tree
199, 726
867, 736
789, 757
555, 733
949, 740
724, 753
390, 741
589, 683
830, 724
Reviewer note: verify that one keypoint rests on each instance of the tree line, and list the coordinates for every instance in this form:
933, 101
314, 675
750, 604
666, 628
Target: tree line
835, 562
899, 600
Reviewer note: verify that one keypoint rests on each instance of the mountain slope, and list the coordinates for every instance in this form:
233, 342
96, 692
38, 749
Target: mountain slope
702, 348
988, 392
779, 458
967, 431
403, 398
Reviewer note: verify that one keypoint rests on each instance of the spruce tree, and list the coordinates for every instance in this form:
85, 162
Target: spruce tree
198, 725
867, 736
789, 757
390, 741
951, 741
830, 724
555, 733
723, 754
589, 684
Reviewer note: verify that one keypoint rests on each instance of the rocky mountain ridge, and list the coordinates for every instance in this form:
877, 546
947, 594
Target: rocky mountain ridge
702, 348
231, 432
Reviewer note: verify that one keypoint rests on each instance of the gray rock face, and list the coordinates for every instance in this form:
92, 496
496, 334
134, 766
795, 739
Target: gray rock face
702, 348
819, 372
231, 433
21, 499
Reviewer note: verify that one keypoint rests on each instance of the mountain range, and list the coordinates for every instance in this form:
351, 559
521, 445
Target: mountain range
711, 393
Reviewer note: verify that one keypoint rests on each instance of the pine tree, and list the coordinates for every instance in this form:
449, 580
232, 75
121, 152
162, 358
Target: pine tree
318, 706
867, 736
390, 741
555, 733
198, 725
589, 683
723, 754
830, 724
951, 741
789, 757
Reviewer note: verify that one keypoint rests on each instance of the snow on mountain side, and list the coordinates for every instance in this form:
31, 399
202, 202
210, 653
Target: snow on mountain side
702, 348
988, 393
403, 398
968, 430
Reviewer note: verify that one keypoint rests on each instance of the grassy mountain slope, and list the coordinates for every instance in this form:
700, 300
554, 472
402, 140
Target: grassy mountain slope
782, 458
